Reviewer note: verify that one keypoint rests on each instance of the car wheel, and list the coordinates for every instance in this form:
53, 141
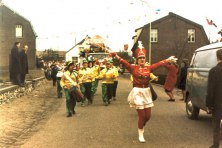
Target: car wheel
192, 111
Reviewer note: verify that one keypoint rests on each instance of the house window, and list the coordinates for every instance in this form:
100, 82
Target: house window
18, 31
191, 35
154, 35
75, 59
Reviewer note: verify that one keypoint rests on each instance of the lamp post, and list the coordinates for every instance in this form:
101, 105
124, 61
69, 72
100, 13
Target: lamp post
150, 29
150, 41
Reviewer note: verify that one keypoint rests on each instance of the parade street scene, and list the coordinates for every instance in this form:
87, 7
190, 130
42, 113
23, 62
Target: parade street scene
96, 125
107, 74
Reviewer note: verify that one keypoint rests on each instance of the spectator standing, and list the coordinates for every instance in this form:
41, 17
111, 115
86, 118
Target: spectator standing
214, 98
183, 78
15, 66
24, 64
58, 79
125, 54
47, 71
54, 73
171, 79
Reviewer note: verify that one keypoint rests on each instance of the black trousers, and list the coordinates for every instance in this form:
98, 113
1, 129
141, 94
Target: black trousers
16, 79
87, 93
216, 131
114, 88
53, 81
107, 92
22, 78
72, 104
59, 88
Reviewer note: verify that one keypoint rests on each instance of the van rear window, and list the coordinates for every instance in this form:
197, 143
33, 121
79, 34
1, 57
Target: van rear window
205, 59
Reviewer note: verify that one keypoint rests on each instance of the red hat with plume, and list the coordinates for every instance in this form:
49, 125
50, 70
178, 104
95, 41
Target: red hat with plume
140, 51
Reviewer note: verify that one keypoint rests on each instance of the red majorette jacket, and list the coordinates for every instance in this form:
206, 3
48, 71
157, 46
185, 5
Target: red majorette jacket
141, 75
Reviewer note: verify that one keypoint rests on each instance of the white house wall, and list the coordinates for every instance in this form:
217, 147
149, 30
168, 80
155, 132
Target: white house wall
72, 53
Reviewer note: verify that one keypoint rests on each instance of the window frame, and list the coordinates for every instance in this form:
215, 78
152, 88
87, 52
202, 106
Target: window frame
19, 31
191, 35
75, 59
154, 35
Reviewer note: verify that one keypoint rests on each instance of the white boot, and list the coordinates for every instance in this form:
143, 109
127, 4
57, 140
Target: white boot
141, 138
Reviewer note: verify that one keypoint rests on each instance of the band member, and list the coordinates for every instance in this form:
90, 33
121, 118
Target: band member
58, 79
54, 72
86, 77
95, 70
115, 84
140, 97
66, 84
107, 75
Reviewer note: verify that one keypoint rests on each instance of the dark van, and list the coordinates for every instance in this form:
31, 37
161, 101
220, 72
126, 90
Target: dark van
203, 60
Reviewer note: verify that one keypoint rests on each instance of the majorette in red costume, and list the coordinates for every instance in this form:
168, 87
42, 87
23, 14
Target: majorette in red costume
140, 97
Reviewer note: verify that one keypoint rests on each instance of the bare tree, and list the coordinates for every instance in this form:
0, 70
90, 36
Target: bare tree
181, 49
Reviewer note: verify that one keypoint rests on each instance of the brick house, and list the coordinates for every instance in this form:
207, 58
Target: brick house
170, 35
13, 28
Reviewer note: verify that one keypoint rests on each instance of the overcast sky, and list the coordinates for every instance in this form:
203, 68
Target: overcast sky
59, 23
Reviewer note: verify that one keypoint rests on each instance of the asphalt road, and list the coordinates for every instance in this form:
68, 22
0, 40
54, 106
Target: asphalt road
99, 126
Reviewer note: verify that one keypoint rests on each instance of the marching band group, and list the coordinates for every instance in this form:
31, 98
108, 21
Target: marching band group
86, 78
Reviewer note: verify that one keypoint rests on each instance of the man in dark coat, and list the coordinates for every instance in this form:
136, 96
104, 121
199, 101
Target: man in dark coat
24, 63
15, 66
214, 98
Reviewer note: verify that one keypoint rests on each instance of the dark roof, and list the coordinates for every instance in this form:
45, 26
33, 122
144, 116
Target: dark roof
80, 43
174, 15
171, 14
133, 36
135, 45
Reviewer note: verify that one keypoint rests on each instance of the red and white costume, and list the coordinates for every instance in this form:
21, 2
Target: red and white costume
140, 97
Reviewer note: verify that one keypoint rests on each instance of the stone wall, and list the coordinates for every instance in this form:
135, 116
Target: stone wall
8, 92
